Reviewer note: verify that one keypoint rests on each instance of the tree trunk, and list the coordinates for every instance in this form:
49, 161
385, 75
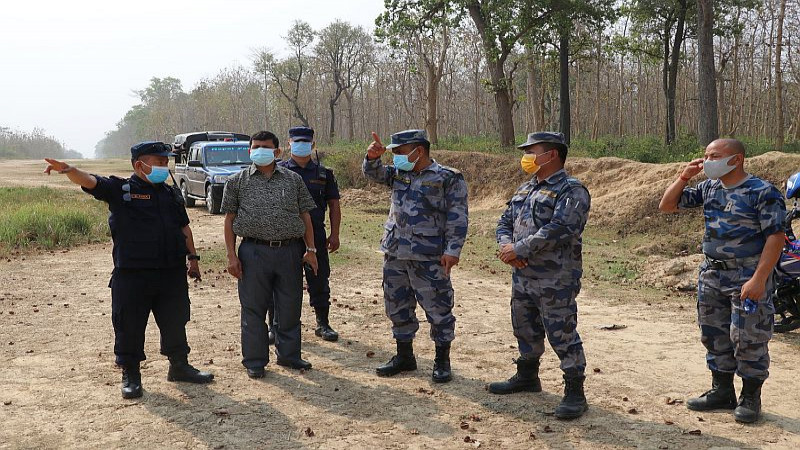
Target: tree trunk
432, 103
780, 132
502, 100
563, 59
351, 119
332, 130
672, 73
708, 121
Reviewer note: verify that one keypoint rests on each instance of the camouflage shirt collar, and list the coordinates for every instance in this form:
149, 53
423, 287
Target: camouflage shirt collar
433, 167
736, 185
552, 179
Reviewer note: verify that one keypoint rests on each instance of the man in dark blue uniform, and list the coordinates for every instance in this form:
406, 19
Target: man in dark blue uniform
323, 188
152, 239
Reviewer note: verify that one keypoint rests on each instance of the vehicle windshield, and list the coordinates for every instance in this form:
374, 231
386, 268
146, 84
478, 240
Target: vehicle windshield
222, 155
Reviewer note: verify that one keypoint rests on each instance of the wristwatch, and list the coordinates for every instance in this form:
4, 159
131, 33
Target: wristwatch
193, 257
311, 249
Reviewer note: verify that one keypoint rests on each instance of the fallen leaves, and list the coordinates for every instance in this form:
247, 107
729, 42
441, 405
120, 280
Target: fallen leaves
613, 327
673, 401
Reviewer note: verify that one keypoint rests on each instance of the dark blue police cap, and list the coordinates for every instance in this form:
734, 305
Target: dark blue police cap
408, 137
545, 136
301, 134
150, 148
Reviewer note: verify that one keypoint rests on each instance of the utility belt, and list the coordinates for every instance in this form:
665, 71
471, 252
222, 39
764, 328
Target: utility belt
281, 243
730, 264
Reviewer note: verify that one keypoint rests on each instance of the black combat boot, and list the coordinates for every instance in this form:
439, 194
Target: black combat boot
131, 381
324, 329
573, 405
441, 364
525, 380
403, 361
721, 396
749, 407
181, 370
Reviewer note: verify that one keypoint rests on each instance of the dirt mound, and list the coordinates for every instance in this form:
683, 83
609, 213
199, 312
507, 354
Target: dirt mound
671, 273
625, 194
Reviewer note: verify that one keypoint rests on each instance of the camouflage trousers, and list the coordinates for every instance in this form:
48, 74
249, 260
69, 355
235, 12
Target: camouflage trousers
735, 341
547, 307
406, 283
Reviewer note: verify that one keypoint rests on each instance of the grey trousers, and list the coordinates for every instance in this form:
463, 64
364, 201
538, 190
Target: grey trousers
270, 274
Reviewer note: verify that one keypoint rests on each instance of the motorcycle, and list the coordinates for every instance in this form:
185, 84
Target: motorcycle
786, 297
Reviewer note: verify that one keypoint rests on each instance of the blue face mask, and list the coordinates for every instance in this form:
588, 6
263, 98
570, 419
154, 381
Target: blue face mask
157, 175
262, 156
402, 163
301, 148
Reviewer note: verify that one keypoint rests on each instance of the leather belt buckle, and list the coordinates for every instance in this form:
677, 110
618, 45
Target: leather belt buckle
275, 243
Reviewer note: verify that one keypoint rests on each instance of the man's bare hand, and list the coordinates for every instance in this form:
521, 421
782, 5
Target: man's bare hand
692, 169
58, 166
194, 270
376, 148
333, 243
507, 253
448, 262
310, 258
235, 267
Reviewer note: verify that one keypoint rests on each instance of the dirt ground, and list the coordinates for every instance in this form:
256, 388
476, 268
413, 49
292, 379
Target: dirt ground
59, 387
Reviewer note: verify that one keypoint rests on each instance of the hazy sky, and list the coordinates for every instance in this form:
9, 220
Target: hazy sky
69, 66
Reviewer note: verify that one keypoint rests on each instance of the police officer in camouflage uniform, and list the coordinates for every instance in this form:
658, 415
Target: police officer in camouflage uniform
422, 241
152, 244
539, 235
323, 188
744, 235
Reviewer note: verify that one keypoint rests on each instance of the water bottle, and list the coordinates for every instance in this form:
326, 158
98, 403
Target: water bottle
749, 306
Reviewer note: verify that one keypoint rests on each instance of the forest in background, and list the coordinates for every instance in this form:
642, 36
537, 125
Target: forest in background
16, 144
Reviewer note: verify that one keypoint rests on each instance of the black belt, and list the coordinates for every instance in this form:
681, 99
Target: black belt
272, 243
730, 264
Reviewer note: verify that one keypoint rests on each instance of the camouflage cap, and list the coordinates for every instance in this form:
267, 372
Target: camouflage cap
408, 137
301, 134
545, 136
150, 148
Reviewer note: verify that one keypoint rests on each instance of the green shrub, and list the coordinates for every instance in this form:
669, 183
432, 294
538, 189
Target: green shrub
48, 218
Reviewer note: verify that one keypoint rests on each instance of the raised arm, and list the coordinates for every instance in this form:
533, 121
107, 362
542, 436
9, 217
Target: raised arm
77, 176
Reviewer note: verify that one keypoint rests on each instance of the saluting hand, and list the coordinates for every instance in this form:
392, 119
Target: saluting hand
693, 168
376, 148
58, 166
448, 262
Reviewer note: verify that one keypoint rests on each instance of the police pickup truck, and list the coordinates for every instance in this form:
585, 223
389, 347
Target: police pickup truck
205, 160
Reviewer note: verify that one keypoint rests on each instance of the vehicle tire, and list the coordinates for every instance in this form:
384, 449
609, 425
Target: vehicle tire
787, 309
212, 204
185, 193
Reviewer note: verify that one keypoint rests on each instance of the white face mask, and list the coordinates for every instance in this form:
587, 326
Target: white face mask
715, 169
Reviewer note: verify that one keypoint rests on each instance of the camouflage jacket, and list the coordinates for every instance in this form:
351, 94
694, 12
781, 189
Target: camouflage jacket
544, 220
738, 219
428, 213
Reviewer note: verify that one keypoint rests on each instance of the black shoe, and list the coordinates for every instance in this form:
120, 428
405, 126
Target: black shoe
525, 380
573, 405
441, 364
404, 361
271, 337
131, 381
721, 396
324, 329
181, 370
298, 363
749, 408
258, 372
